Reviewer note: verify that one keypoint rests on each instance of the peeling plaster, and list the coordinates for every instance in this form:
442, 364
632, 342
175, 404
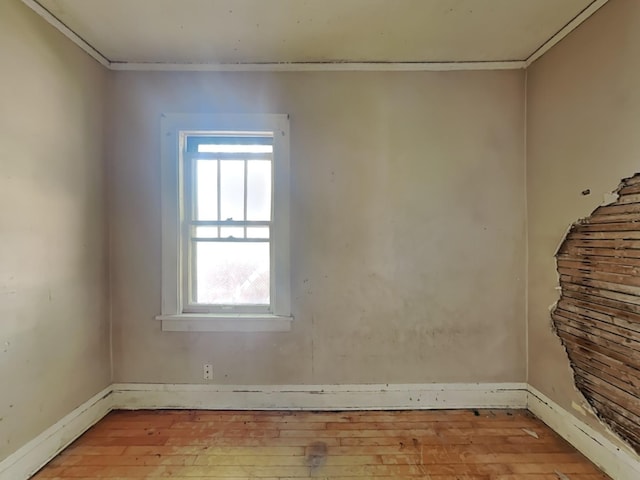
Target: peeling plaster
597, 316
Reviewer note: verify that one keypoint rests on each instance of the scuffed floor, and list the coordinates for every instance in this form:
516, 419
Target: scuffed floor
438, 445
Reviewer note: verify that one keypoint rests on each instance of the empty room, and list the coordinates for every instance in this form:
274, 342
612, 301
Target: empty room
336, 239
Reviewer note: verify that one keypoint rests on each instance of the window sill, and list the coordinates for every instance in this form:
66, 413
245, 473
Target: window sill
198, 322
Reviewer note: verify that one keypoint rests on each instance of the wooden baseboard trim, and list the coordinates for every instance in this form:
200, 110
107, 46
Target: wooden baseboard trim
320, 397
620, 463
31, 457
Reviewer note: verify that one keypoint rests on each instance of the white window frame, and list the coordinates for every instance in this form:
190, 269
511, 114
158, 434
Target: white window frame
174, 316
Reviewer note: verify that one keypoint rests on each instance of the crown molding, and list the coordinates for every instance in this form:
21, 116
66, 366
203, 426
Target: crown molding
319, 66
565, 31
67, 32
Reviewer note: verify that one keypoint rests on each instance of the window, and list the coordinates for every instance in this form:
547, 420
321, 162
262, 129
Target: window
225, 238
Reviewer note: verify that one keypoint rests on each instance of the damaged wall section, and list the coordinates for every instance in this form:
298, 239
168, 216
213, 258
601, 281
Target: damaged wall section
598, 314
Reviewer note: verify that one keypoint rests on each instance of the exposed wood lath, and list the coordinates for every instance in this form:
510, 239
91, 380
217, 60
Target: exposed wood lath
598, 314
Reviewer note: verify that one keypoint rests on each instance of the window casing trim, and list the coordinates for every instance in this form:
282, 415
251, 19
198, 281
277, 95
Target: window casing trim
176, 313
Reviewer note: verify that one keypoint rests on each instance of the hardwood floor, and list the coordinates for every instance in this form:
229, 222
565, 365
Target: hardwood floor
436, 445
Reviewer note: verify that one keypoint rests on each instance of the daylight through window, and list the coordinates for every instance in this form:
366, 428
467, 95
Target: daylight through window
227, 220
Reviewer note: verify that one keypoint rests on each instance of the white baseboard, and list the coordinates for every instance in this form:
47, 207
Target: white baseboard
619, 463
320, 397
31, 457
34, 455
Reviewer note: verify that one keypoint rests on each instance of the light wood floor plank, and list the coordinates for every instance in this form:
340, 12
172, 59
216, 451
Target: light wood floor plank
234, 445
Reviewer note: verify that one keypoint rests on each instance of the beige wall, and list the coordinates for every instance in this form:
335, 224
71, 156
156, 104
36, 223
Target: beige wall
583, 123
54, 335
408, 228
408, 223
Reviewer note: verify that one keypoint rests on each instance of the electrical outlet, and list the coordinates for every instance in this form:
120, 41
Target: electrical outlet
207, 370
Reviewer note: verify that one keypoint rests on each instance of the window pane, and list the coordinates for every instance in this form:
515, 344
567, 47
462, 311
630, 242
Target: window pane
206, 232
236, 232
232, 273
258, 190
207, 189
257, 232
232, 190
221, 148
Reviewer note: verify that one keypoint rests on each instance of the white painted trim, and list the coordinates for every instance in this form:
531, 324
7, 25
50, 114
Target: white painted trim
67, 32
199, 322
175, 193
619, 463
320, 397
566, 30
31, 457
319, 66
525, 181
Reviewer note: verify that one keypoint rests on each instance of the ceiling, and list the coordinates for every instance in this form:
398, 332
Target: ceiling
138, 32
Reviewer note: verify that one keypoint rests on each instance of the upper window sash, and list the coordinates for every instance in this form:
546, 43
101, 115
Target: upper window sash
195, 142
